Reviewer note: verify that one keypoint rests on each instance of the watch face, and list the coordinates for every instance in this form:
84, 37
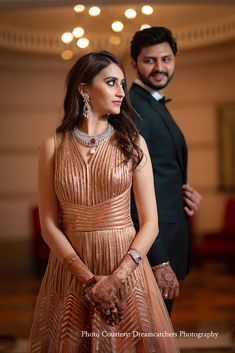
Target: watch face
136, 256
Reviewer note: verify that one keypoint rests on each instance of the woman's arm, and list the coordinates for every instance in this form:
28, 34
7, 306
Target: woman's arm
49, 216
144, 193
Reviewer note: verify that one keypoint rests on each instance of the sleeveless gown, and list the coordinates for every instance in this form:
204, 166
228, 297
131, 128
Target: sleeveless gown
94, 209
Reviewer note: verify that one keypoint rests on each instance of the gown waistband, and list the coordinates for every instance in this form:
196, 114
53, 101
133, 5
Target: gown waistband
111, 214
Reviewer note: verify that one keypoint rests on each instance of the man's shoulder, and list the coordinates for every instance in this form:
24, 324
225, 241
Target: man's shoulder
138, 95
137, 90
142, 101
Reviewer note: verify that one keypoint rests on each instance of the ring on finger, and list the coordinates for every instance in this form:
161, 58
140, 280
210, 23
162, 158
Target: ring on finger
107, 312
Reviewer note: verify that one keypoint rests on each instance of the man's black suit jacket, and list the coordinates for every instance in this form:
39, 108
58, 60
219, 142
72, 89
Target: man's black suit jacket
168, 153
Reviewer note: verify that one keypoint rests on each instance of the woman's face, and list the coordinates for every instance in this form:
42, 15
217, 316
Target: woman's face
106, 91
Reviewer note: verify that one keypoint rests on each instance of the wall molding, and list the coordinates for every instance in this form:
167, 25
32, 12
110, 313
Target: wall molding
207, 33
44, 42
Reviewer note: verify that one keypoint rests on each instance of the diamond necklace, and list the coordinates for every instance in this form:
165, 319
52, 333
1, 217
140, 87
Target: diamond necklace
93, 141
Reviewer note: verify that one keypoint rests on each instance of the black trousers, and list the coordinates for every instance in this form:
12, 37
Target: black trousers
169, 305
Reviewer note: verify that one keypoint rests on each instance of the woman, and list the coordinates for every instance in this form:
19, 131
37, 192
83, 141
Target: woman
98, 293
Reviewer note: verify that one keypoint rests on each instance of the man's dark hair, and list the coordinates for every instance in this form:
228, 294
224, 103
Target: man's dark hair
151, 36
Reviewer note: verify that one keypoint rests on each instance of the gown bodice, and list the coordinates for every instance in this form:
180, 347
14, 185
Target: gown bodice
94, 194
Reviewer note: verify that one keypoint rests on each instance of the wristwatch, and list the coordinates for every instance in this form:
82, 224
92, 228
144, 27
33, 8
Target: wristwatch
135, 256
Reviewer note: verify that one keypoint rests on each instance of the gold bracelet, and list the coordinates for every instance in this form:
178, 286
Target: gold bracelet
157, 267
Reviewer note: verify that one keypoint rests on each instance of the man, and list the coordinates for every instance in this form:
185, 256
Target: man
153, 53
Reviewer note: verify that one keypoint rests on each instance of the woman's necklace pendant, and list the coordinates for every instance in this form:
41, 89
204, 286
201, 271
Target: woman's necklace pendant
92, 150
94, 144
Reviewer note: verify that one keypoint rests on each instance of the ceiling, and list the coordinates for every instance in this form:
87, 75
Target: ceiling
61, 18
10, 4
52, 17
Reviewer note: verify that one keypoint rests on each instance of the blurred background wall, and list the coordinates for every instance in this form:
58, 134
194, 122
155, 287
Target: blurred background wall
31, 105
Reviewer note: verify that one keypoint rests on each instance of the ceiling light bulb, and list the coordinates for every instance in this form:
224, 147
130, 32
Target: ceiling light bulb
117, 26
147, 10
94, 11
78, 32
115, 40
66, 54
83, 43
67, 37
130, 13
79, 8
144, 26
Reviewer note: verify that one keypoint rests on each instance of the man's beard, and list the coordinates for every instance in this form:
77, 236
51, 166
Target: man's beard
148, 83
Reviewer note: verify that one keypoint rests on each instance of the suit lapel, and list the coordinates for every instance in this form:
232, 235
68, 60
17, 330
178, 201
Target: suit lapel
175, 133
171, 125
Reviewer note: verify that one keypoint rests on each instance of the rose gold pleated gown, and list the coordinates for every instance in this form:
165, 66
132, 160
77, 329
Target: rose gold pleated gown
94, 205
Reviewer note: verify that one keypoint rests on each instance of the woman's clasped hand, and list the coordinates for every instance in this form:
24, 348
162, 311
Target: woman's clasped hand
100, 292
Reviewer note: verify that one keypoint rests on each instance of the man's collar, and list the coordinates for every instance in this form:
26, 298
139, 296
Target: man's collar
155, 94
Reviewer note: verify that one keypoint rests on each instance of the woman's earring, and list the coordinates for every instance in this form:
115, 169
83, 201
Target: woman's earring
87, 113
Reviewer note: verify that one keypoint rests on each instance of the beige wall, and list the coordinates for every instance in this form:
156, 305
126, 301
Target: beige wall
31, 98
30, 104
204, 82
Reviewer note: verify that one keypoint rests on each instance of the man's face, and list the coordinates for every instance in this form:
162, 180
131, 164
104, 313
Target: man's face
156, 65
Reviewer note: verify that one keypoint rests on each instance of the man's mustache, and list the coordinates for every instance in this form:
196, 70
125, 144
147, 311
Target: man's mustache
159, 72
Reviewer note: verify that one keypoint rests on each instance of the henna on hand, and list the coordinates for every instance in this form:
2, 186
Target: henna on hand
126, 267
86, 289
167, 282
77, 267
112, 313
105, 289
103, 292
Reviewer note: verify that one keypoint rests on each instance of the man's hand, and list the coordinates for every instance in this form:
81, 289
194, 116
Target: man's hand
192, 199
167, 282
